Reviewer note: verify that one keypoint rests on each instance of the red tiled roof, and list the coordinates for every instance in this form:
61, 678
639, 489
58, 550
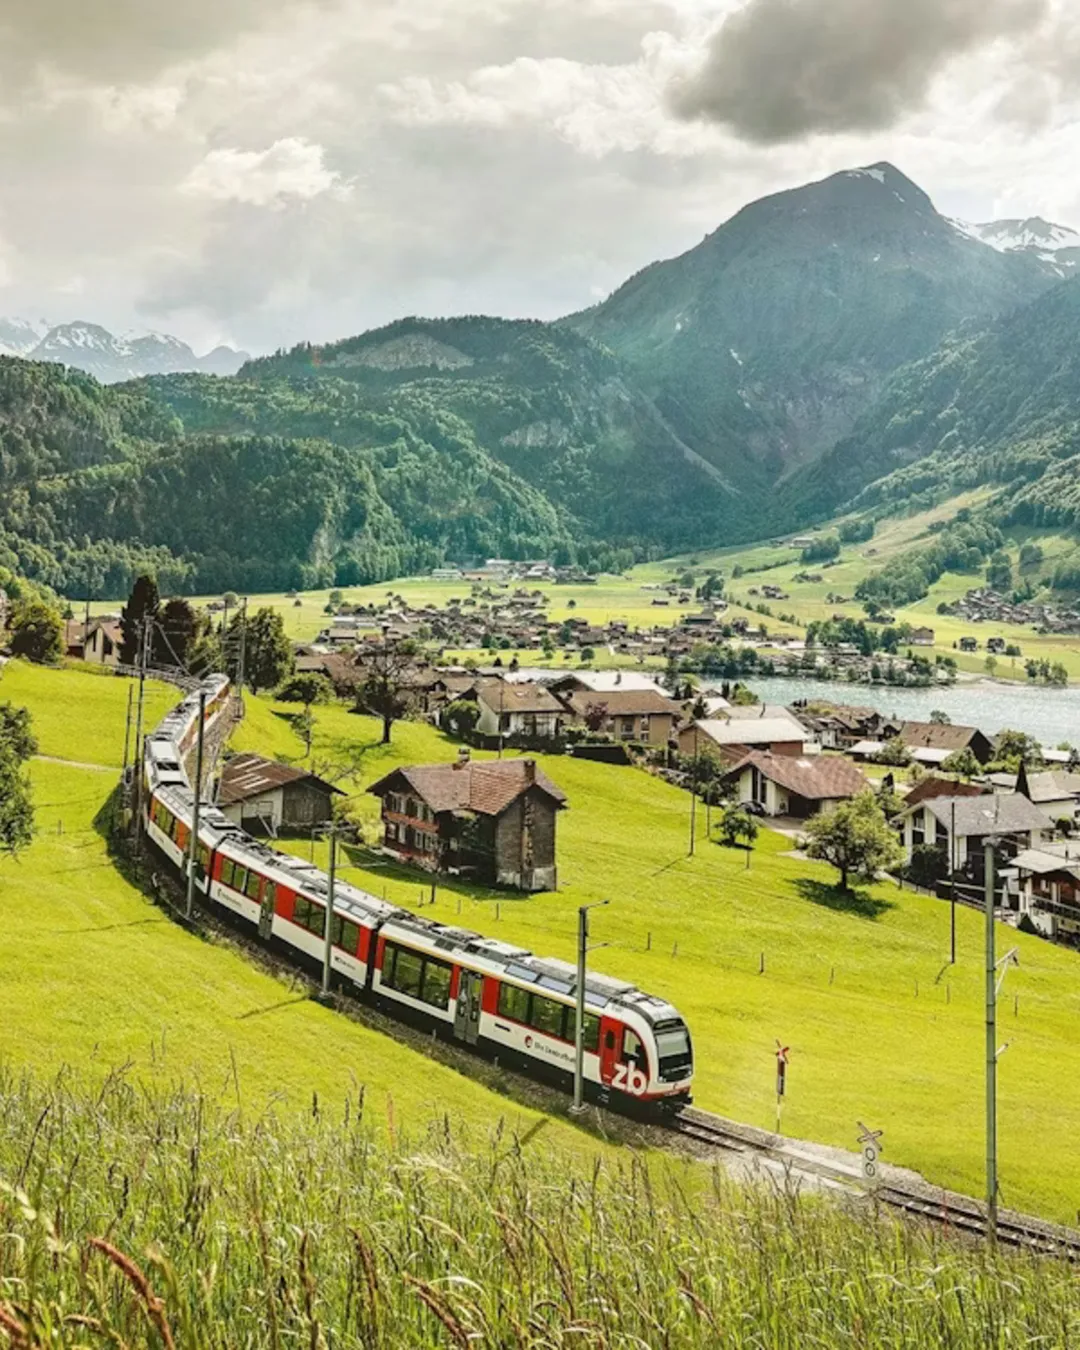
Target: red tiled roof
824, 777
486, 787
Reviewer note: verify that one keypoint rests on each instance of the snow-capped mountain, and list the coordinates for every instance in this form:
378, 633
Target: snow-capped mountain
111, 359
1056, 245
19, 336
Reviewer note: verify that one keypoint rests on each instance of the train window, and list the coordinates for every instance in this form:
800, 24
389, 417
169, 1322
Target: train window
239, 877
226, 871
436, 987
514, 1002
407, 972
204, 857
316, 922
547, 1015
591, 1038
345, 934
251, 890
634, 1051
301, 911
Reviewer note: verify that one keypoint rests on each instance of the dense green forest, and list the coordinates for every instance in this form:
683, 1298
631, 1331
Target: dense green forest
388, 454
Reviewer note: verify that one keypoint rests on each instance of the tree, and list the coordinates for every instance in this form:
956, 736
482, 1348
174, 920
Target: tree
929, 864
962, 763
1013, 748
587, 654
268, 653
991, 664
37, 632
304, 725
17, 744
174, 635
461, 717
595, 716
939, 718
16, 731
1031, 556
893, 752
144, 601
383, 689
737, 823
999, 572
306, 687
856, 839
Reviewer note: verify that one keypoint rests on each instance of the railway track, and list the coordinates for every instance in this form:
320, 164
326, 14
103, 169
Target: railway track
947, 1210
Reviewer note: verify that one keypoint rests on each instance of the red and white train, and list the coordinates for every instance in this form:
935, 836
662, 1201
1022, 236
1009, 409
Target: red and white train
475, 990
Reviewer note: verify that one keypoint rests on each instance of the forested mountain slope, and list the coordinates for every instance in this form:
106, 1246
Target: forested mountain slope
997, 406
767, 341
390, 453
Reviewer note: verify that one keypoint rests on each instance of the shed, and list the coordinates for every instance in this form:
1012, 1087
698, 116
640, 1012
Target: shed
268, 797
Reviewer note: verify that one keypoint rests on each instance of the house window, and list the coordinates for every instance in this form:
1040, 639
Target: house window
627, 725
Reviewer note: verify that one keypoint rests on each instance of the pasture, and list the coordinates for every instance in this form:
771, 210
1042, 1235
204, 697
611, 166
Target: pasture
95, 977
882, 1029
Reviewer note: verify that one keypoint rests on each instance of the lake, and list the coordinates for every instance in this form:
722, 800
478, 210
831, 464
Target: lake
1051, 715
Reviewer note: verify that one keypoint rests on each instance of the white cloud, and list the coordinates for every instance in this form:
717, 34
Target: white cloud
292, 168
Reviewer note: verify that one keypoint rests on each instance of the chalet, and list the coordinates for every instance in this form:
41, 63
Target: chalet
524, 709
494, 821
270, 798
839, 725
959, 824
969, 644
601, 682
1055, 792
934, 742
732, 740
785, 786
628, 714
921, 637
1048, 886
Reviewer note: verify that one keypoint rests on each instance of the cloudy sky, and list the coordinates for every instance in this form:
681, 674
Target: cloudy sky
262, 171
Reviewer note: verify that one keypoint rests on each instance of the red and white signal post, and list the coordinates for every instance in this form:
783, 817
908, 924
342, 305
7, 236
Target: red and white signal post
783, 1053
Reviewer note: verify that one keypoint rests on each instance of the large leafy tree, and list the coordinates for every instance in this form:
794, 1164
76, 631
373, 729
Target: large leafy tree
37, 631
17, 744
175, 632
856, 839
383, 688
268, 653
144, 601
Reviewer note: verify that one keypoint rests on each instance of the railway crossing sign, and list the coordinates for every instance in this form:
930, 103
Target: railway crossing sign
871, 1148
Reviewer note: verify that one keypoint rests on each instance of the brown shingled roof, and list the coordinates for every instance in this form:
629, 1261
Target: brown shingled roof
247, 776
936, 735
624, 703
502, 696
822, 778
486, 787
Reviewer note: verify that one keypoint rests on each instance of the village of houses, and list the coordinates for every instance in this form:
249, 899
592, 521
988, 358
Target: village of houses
494, 820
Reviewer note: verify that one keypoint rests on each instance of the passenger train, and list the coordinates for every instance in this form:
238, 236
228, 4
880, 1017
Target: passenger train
475, 990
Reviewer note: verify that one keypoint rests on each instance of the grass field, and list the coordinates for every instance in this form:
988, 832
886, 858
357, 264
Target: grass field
92, 976
881, 1029
267, 1232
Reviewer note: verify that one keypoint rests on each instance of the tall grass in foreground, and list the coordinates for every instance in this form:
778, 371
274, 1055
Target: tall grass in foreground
129, 1219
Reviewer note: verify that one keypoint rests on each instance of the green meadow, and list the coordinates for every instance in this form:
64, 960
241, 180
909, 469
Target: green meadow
94, 977
882, 1029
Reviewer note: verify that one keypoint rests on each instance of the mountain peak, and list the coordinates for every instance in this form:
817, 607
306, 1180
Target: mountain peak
92, 348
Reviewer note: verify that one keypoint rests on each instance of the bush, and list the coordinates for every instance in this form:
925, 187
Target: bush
37, 632
308, 687
929, 864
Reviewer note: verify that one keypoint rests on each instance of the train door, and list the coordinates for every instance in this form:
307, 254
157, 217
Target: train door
266, 911
610, 1049
467, 1010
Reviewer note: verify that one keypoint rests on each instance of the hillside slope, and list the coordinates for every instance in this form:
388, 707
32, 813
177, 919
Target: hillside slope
769, 339
998, 406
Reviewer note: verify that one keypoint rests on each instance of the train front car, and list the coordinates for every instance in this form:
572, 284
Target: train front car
522, 1008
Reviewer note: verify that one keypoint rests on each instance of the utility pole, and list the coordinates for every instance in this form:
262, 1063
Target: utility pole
127, 728
952, 887
144, 643
241, 672
991, 1045
86, 624
693, 795
579, 1027
193, 850
328, 946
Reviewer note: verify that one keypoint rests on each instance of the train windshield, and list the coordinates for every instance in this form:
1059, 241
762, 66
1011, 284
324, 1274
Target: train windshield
673, 1048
